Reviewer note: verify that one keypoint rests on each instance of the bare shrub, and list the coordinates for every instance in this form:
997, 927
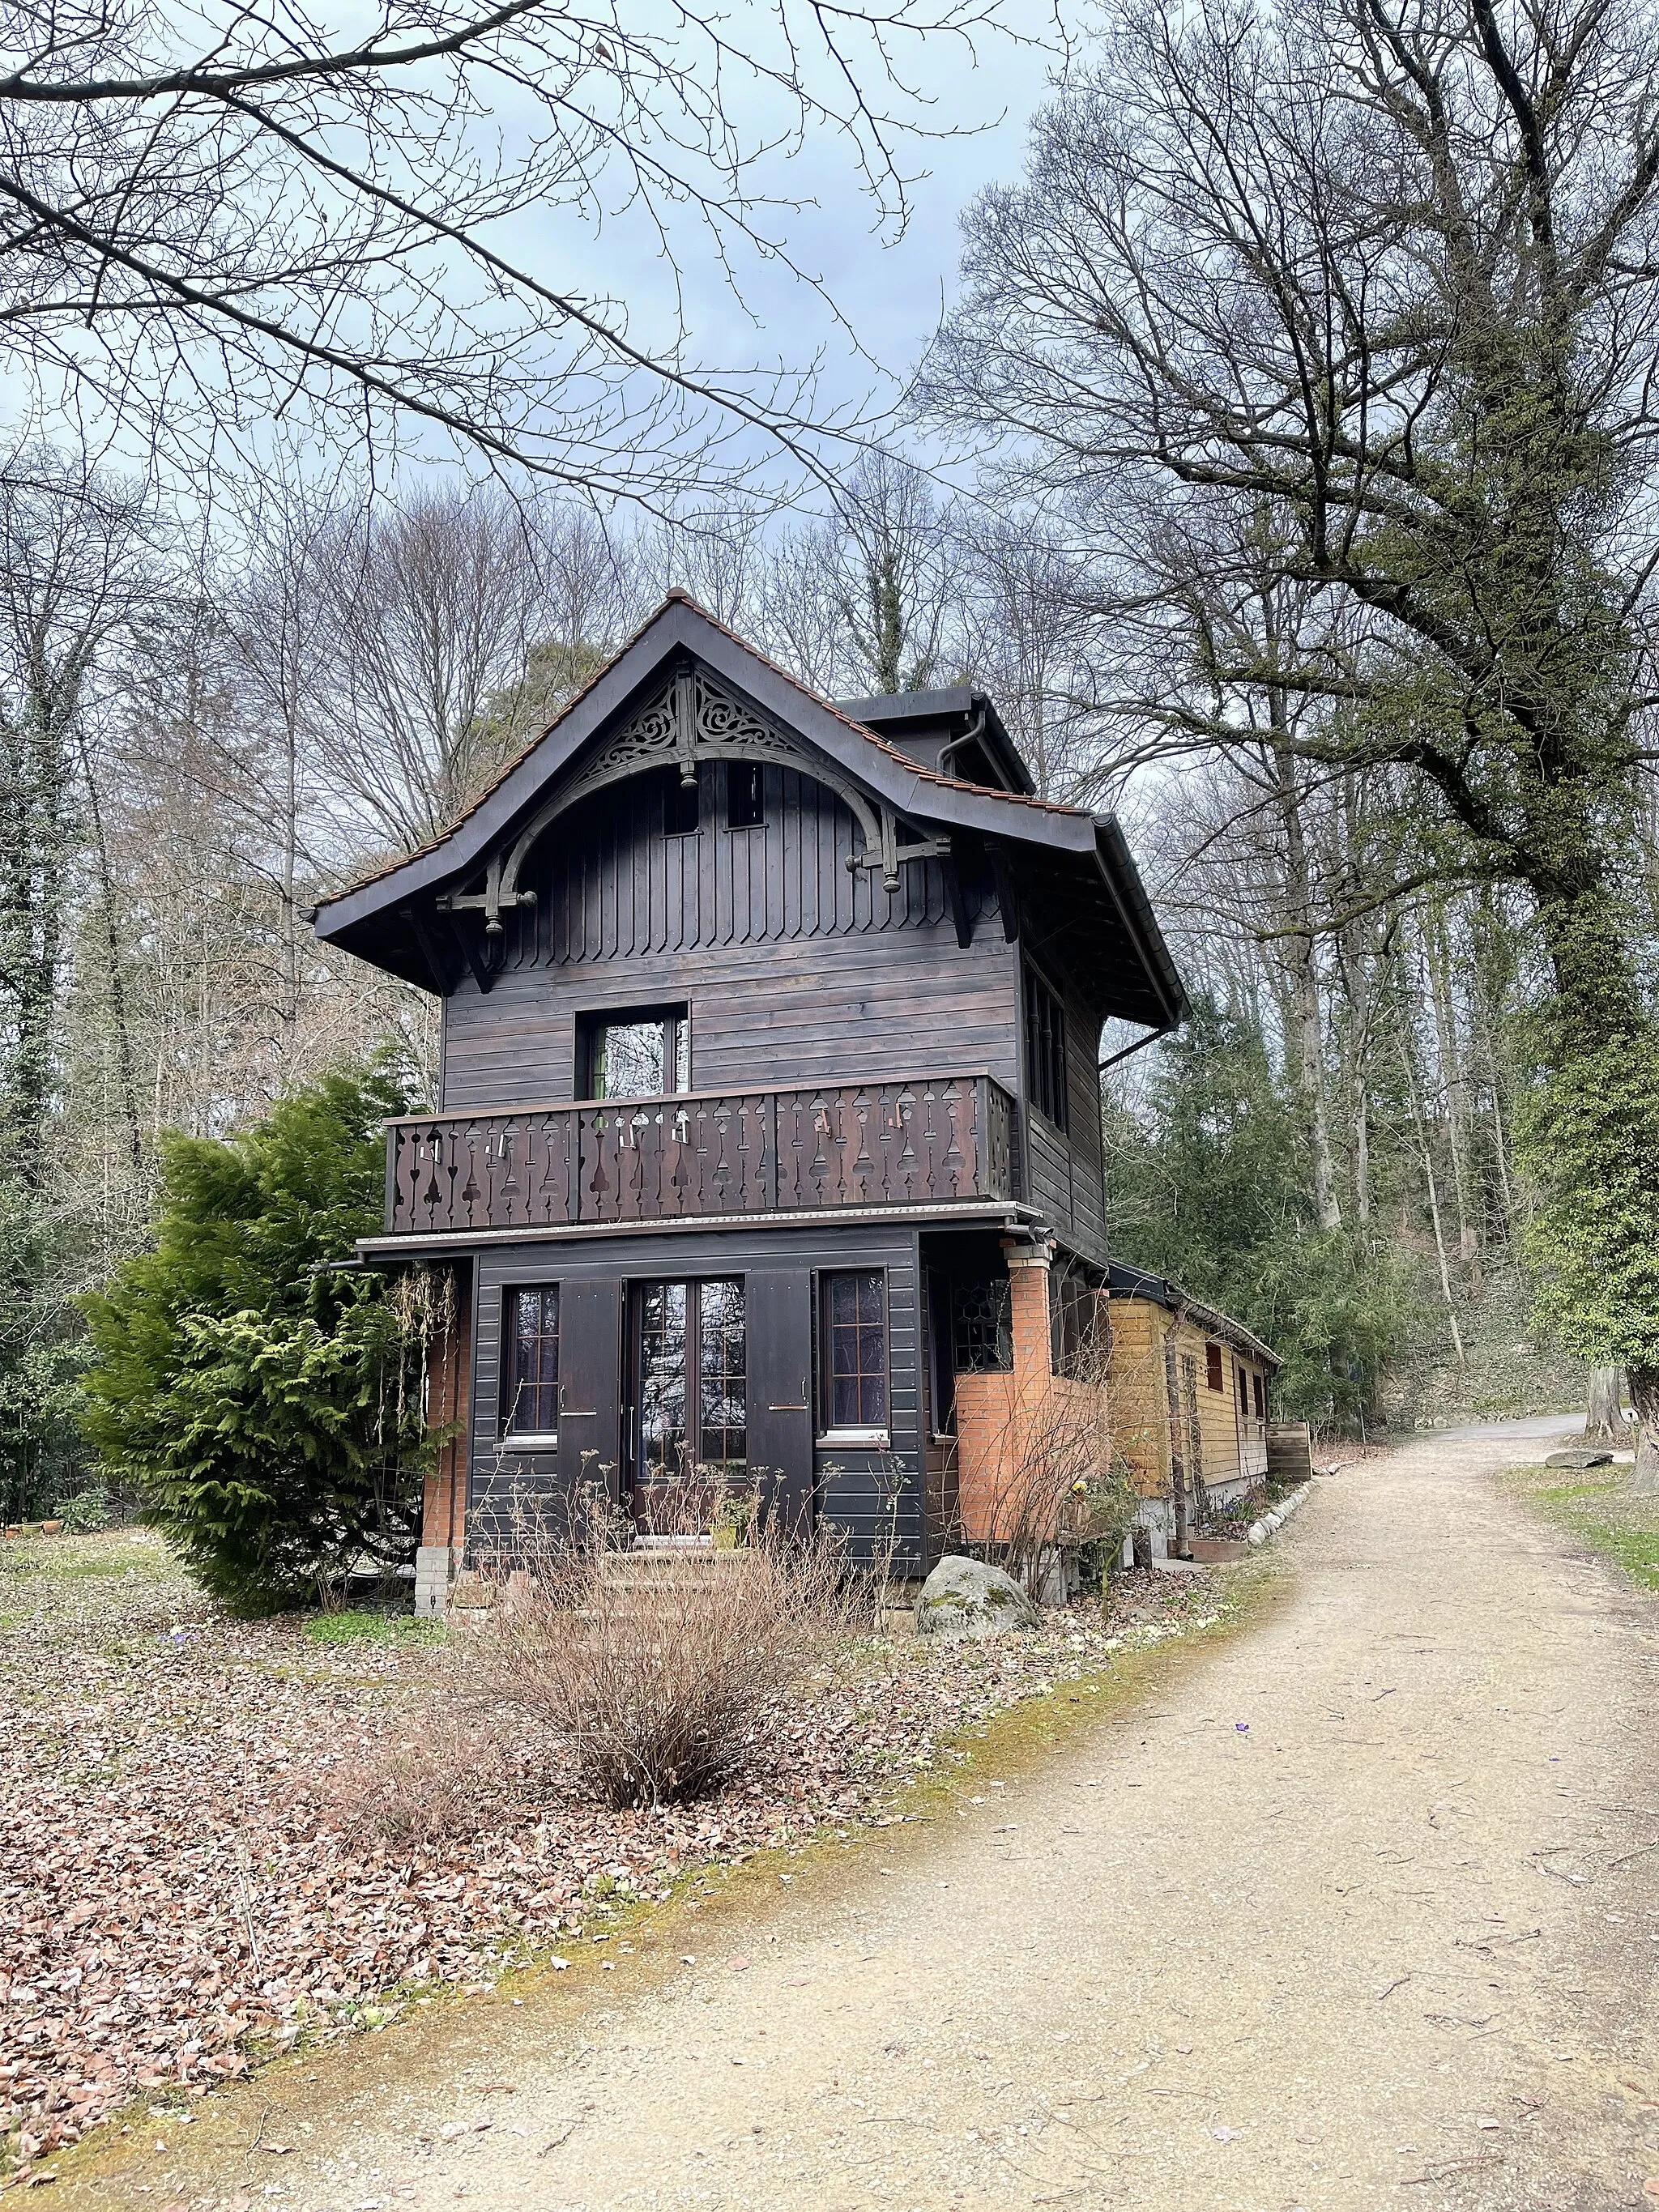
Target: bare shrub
654, 1668
440, 1776
1059, 1485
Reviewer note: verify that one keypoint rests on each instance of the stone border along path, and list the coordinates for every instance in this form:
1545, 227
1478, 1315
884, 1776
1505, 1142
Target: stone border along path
1356, 1910
1272, 1522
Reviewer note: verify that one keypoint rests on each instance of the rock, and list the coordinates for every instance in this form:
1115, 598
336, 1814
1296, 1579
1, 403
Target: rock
1582, 1455
969, 1597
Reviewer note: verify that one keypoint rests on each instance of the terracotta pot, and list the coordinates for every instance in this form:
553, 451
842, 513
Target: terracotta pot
15, 1528
51, 1528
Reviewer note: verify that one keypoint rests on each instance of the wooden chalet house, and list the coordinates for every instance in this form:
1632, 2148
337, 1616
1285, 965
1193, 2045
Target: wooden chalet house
769, 1111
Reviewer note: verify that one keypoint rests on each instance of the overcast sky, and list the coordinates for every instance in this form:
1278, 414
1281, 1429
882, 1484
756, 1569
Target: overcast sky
890, 291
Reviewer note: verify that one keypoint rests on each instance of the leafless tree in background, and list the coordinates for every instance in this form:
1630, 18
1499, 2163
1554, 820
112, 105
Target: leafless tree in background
72, 558
211, 219
429, 611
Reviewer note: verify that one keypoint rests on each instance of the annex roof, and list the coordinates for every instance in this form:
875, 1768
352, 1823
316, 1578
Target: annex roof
1073, 867
1124, 1281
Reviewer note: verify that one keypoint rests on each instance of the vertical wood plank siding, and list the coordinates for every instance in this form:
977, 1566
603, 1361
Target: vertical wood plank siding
797, 970
872, 1496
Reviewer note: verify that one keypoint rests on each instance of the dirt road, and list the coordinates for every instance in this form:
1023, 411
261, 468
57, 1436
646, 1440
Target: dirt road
1361, 1912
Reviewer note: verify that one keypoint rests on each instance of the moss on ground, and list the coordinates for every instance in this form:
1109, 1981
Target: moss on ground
1623, 1527
362, 1625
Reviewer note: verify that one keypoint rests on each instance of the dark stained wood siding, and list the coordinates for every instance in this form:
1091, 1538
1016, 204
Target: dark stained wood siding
875, 1498
795, 970
1088, 1186
1066, 1172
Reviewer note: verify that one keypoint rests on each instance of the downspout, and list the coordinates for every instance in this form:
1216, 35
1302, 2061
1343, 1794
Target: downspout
970, 736
1139, 1045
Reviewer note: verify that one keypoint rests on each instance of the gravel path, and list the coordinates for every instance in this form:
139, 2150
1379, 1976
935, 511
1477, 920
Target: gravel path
1360, 1911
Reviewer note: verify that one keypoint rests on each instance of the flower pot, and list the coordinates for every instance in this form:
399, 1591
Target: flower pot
51, 1528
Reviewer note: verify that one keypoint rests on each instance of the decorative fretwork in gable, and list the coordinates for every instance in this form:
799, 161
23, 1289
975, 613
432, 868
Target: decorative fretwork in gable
693, 719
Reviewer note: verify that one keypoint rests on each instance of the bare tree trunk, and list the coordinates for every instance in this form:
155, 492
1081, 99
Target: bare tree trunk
1357, 986
1604, 1423
118, 987
1644, 1401
1436, 956
1420, 1124
1306, 1036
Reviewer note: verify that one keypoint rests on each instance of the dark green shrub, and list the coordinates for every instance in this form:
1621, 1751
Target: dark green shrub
263, 1401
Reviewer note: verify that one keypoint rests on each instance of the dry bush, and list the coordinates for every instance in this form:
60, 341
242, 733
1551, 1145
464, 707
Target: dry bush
1059, 1485
442, 1776
653, 1668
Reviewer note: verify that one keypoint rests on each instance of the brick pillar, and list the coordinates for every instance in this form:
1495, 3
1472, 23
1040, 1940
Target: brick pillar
1027, 1278
1033, 1386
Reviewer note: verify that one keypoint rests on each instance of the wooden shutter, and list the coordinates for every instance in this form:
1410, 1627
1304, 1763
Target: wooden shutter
590, 1381
779, 1309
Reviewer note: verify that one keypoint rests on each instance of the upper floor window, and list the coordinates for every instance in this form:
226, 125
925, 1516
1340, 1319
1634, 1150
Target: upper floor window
852, 1356
1045, 1051
530, 1370
640, 1054
1212, 1367
745, 795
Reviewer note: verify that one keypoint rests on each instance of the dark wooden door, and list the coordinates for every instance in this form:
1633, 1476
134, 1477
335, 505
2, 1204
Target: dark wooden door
590, 1384
781, 1389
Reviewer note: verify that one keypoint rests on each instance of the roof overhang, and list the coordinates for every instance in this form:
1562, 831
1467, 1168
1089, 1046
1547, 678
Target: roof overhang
1061, 857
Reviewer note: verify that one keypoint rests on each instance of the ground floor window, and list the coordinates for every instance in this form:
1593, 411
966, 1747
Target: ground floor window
692, 1379
853, 1360
530, 1393
1076, 1338
982, 1326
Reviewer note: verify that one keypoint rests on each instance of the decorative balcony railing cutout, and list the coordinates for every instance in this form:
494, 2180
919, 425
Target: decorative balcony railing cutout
810, 1149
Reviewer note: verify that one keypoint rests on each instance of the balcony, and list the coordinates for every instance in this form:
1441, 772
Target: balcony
936, 1141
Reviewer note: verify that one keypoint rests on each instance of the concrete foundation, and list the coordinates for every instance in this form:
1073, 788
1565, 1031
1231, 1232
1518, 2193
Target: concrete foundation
435, 1568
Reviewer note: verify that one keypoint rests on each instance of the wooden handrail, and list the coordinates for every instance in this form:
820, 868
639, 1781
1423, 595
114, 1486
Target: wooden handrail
699, 1155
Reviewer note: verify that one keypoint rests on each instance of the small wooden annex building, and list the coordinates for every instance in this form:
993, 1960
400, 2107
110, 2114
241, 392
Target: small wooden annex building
1189, 1391
767, 1147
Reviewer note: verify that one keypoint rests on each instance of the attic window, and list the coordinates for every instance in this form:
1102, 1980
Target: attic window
679, 805
745, 795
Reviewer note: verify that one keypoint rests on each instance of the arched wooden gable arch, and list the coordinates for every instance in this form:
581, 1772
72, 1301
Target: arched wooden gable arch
693, 719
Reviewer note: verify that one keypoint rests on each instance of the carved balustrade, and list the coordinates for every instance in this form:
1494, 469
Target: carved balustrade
811, 1148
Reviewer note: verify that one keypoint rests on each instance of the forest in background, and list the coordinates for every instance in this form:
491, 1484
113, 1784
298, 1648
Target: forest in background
1291, 445
202, 737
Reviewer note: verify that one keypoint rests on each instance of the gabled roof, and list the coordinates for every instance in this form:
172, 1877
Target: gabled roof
1124, 1281
1074, 864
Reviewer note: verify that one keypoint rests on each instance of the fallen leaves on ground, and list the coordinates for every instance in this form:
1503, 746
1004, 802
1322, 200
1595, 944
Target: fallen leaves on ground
175, 1892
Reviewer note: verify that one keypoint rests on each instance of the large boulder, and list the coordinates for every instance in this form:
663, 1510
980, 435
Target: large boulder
1581, 1457
969, 1597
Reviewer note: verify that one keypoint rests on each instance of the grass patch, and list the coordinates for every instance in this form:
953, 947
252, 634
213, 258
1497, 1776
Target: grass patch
360, 1625
1604, 1515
